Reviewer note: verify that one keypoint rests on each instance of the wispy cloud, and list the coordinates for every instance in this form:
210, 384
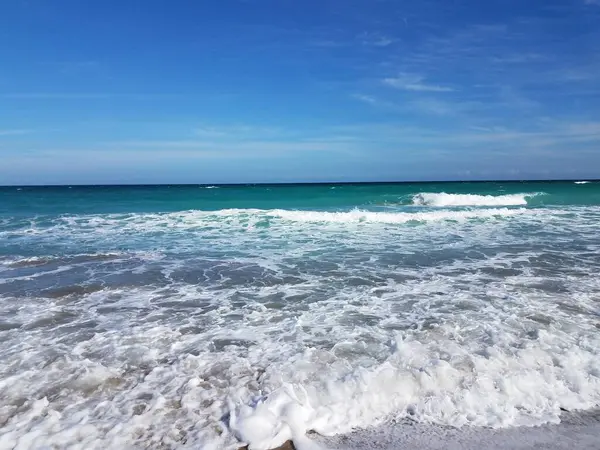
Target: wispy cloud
169, 154
238, 131
519, 58
242, 141
327, 43
87, 67
410, 82
583, 129
382, 41
468, 108
225, 150
371, 143
375, 102
366, 39
436, 107
375, 39
54, 96
16, 132
366, 99
552, 135
80, 96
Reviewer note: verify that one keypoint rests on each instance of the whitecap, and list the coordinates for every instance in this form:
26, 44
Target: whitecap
442, 199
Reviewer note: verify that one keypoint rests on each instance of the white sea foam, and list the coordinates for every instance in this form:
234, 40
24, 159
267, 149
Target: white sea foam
439, 382
390, 217
257, 326
247, 218
442, 199
486, 363
582, 182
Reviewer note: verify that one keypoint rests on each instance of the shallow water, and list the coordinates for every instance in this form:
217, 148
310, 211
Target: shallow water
130, 319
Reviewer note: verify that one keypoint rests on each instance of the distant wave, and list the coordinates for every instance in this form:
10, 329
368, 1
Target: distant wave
582, 182
209, 187
443, 199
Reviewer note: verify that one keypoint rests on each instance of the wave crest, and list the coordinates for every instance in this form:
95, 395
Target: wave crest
442, 199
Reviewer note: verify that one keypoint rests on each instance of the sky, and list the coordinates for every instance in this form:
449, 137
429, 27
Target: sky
245, 91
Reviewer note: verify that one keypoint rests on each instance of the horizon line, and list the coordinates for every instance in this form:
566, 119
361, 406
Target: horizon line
302, 183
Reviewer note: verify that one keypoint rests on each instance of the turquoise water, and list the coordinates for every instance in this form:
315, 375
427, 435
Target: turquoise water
118, 199
209, 316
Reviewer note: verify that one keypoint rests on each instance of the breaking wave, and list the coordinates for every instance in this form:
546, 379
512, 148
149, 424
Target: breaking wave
442, 199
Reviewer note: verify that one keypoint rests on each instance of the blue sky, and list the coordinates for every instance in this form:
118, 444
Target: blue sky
280, 90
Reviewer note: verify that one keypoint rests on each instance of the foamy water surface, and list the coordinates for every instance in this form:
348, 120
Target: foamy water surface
214, 329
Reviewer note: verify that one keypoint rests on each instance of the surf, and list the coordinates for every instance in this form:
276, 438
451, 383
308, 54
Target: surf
363, 216
443, 199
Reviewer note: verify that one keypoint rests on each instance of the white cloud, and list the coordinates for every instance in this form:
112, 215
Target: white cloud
375, 39
416, 83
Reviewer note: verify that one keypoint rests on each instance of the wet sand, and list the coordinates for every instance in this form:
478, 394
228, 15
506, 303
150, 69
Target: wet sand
577, 431
289, 445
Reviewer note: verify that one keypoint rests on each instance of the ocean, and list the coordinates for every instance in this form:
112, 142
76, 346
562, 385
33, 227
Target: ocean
210, 317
